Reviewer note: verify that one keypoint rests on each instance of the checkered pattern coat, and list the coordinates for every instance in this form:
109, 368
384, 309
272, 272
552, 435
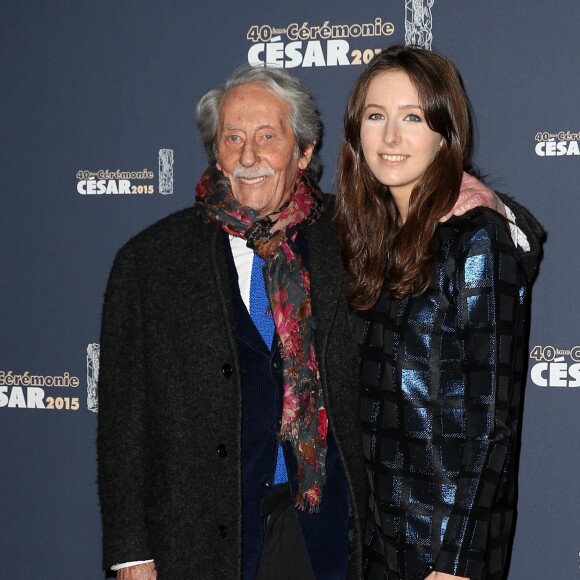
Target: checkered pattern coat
441, 376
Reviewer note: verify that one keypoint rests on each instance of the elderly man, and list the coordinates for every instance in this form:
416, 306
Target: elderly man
229, 441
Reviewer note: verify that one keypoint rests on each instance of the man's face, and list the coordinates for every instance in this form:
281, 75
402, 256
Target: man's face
256, 148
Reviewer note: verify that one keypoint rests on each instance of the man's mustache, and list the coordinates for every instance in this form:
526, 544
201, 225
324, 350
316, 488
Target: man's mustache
241, 172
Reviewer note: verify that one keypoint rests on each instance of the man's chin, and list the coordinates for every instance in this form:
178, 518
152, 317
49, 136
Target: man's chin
256, 202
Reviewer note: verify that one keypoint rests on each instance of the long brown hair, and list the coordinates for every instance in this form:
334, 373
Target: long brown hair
376, 250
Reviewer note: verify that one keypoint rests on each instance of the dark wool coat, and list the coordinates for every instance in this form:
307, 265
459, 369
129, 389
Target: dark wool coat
170, 398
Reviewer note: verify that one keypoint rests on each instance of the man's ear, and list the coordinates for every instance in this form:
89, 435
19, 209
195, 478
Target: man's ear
306, 156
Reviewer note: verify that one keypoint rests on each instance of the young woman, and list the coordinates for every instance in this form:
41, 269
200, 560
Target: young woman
441, 334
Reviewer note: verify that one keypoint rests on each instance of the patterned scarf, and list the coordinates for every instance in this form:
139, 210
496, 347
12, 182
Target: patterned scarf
304, 420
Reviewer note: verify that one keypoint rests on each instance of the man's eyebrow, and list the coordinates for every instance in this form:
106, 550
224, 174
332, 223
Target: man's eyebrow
258, 128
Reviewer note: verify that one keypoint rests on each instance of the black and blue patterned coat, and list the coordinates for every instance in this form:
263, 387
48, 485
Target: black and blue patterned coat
441, 377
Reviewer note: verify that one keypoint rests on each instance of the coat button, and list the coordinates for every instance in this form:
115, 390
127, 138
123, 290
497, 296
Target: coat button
227, 370
222, 450
267, 484
276, 364
222, 531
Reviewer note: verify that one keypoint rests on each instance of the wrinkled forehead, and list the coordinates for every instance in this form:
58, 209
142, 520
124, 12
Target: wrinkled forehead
254, 104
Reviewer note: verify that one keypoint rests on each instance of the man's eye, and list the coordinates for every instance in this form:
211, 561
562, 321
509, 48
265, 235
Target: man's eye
414, 118
268, 136
234, 138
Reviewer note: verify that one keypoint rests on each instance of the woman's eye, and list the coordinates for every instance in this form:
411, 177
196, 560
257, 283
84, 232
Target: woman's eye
376, 117
414, 118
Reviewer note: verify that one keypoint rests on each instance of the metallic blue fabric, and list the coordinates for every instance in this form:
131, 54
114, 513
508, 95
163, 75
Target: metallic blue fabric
441, 376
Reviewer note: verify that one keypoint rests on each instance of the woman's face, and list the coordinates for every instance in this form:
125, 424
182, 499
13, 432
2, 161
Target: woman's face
397, 143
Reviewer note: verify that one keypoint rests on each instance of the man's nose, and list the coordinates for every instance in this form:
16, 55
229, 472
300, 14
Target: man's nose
249, 155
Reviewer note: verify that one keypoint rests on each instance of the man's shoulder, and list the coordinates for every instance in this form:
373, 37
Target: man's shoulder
474, 221
479, 231
183, 225
174, 240
325, 225
329, 199
323, 247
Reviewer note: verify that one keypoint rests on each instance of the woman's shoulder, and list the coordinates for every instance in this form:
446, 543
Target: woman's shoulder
481, 226
478, 246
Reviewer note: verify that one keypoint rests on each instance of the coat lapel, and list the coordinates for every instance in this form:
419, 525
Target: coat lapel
327, 279
203, 297
223, 287
206, 282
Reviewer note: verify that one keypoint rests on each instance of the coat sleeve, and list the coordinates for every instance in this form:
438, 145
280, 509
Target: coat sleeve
488, 301
123, 462
533, 231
